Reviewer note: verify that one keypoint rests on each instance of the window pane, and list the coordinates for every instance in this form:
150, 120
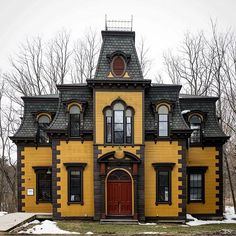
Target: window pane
128, 113
119, 137
118, 106
118, 127
108, 133
109, 112
163, 110
43, 120
195, 186
44, 186
119, 117
74, 109
163, 117
75, 185
163, 129
163, 186
74, 125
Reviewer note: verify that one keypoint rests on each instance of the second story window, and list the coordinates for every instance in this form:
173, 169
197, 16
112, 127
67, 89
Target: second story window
118, 124
195, 124
74, 112
163, 121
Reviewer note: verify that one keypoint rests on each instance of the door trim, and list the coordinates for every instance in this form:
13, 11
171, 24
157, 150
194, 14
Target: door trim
132, 189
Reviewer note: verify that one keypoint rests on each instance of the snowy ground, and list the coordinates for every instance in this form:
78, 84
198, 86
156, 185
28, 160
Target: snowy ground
229, 216
2, 213
50, 227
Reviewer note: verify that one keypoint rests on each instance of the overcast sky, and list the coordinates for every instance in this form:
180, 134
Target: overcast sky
161, 22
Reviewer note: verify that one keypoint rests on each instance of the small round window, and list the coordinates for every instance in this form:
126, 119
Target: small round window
118, 66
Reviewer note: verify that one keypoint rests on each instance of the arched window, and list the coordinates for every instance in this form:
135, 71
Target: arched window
195, 124
118, 124
163, 121
44, 120
118, 66
74, 112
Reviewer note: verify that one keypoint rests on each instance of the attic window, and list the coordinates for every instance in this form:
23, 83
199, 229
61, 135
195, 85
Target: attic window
44, 119
118, 66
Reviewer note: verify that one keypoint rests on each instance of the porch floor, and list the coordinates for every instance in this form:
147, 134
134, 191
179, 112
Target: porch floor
13, 220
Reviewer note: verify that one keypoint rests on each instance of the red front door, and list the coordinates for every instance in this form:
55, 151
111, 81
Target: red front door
119, 194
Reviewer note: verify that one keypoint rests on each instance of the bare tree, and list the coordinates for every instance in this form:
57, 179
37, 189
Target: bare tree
56, 65
25, 76
194, 66
86, 52
8, 125
144, 58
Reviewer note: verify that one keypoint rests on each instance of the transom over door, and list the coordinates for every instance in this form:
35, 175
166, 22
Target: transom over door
119, 194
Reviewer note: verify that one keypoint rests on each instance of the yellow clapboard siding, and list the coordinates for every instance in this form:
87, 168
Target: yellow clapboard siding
162, 151
205, 157
42, 156
75, 151
133, 99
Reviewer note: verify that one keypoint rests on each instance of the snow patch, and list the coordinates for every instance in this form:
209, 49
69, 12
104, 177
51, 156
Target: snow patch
3, 213
147, 223
46, 227
89, 233
229, 218
185, 112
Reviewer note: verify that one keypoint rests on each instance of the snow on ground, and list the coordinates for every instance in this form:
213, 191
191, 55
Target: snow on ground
46, 227
229, 218
2, 213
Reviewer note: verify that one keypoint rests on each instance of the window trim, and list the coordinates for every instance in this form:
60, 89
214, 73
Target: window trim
80, 118
112, 143
37, 169
164, 167
196, 170
112, 66
168, 106
70, 167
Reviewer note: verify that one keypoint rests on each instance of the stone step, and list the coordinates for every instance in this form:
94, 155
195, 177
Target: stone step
119, 221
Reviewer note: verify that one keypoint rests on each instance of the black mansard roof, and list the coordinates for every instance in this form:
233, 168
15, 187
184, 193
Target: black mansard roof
117, 43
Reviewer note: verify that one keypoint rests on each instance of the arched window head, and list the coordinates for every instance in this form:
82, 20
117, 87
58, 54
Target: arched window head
74, 112
74, 109
195, 124
44, 119
118, 106
118, 124
163, 121
163, 109
118, 65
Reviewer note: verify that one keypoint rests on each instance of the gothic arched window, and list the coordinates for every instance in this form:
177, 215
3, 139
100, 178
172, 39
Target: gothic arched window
163, 121
118, 124
74, 118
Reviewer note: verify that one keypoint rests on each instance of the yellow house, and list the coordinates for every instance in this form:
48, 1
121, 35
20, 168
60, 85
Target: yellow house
120, 146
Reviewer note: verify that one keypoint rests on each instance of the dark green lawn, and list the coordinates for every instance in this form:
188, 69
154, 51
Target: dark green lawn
169, 229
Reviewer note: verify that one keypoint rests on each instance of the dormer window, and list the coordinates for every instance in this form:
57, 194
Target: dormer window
163, 121
44, 120
195, 124
118, 66
118, 124
74, 113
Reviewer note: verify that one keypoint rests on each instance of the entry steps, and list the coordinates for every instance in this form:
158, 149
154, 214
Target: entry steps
10, 221
119, 221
